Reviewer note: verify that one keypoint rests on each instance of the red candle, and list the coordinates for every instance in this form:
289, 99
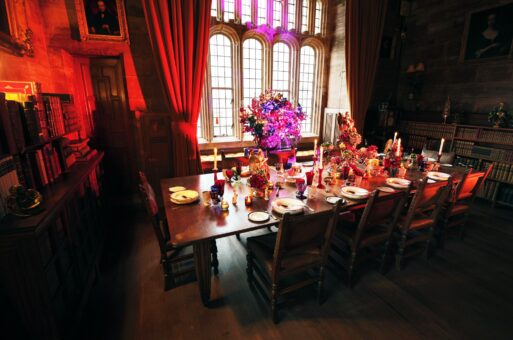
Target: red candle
248, 201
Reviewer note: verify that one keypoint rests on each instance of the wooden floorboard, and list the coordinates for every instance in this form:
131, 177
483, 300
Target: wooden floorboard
462, 292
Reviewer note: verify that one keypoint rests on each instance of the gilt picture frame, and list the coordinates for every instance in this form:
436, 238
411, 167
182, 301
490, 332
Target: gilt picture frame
102, 20
488, 34
15, 35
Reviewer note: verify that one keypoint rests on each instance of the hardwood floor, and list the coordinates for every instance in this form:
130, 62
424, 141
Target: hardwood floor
463, 292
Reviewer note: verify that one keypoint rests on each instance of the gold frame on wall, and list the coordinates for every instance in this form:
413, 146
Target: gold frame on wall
19, 39
465, 37
84, 29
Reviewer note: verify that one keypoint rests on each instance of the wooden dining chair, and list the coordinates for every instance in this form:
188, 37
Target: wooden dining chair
170, 256
455, 212
416, 228
370, 234
301, 245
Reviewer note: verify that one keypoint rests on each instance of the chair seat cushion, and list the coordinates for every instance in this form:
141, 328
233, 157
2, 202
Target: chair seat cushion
375, 235
459, 209
263, 249
418, 222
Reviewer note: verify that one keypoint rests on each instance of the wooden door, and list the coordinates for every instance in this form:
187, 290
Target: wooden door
112, 122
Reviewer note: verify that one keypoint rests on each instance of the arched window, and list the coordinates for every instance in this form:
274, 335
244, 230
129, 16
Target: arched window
246, 11
318, 17
277, 13
305, 15
262, 12
221, 82
291, 12
229, 10
306, 85
281, 69
252, 69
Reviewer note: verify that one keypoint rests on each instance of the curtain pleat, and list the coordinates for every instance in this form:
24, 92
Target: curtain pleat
364, 29
179, 35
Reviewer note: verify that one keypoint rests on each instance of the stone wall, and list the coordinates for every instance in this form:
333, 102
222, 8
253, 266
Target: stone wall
337, 93
435, 30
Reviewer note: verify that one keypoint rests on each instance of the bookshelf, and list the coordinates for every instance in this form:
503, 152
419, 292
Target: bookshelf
474, 146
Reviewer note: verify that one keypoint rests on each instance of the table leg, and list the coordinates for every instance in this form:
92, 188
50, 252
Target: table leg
202, 261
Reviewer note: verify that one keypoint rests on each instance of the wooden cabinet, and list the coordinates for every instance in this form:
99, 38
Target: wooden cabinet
48, 262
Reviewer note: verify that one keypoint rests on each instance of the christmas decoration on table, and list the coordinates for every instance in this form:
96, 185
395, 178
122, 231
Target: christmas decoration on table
273, 121
499, 116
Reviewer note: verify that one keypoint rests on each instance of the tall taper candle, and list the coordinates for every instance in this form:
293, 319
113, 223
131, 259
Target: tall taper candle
320, 160
442, 141
395, 137
215, 158
398, 152
315, 146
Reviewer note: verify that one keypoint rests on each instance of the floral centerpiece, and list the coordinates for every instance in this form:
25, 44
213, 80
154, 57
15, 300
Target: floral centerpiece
273, 121
260, 172
346, 155
499, 116
393, 156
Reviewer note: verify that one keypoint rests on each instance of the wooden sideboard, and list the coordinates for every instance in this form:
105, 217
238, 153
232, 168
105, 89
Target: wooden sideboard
48, 262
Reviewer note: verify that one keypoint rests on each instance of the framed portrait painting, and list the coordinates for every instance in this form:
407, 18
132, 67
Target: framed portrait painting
15, 35
102, 20
488, 34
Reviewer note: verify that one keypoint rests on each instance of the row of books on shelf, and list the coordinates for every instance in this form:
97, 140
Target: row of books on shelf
502, 172
38, 120
416, 142
466, 148
505, 195
8, 178
463, 148
431, 130
488, 190
496, 136
466, 133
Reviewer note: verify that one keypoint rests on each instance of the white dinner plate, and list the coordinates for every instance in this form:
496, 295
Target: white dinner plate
184, 197
438, 176
176, 189
399, 183
259, 216
446, 165
334, 199
288, 205
386, 189
355, 193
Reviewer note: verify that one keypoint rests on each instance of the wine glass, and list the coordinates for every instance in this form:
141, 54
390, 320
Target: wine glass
327, 182
220, 186
301, 187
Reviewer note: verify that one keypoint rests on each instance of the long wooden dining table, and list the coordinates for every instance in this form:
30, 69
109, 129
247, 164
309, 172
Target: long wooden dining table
196, 224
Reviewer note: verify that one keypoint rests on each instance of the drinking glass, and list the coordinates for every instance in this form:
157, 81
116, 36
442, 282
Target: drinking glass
327, 182
206, 198
301, 187
220, 186
214, 194
309, 177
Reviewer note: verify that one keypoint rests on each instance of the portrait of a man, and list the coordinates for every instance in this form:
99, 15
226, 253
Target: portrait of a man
490, 33
102, 17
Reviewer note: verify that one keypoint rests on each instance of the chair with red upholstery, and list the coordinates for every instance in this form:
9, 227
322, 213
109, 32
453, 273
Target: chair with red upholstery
455, 214
370, 235
416, 228
176, 261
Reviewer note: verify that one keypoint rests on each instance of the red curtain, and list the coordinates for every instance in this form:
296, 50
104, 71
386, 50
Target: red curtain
364, 28
179, 34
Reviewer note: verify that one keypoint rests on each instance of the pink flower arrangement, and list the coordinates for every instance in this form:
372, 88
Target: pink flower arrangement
273, 121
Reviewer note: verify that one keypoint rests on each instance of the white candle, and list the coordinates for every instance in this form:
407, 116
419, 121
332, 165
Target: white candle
215, 158
315, 146
441, 146
398, 152
320, 162
395, 137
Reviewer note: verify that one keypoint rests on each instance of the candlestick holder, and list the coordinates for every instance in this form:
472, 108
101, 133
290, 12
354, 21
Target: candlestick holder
214, 170
320, 185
